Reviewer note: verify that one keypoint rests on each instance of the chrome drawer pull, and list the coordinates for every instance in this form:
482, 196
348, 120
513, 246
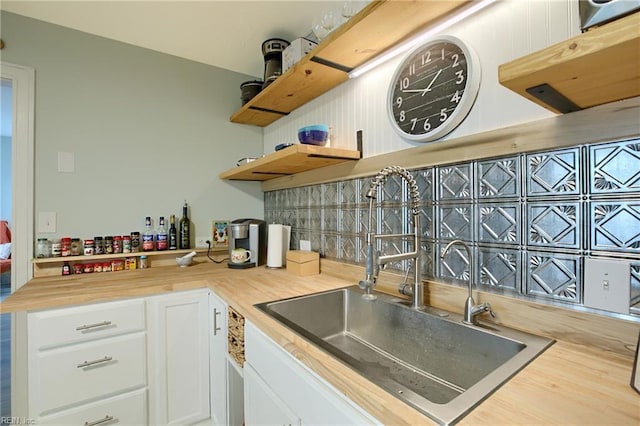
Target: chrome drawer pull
107, 418
215, 322
97, 361
98, 324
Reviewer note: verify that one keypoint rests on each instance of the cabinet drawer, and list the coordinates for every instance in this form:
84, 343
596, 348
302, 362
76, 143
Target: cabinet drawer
125, 409
75, 374
58, 327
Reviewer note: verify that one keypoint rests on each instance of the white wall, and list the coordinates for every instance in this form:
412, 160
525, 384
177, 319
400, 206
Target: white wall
504, 31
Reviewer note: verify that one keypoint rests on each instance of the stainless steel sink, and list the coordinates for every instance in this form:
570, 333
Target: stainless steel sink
428, 358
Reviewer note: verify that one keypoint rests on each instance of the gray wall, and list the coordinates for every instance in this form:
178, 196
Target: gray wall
148, 130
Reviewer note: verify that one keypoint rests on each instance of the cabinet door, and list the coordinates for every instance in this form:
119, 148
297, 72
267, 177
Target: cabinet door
263, 407
218, 361
178, 330
312, 398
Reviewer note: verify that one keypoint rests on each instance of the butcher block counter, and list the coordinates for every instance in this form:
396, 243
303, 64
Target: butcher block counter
578, 380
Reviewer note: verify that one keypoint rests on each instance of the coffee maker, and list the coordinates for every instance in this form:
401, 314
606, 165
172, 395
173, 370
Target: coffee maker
272, 51
249, 234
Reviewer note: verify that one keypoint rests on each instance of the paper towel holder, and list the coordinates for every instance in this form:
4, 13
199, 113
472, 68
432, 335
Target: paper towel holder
278, 239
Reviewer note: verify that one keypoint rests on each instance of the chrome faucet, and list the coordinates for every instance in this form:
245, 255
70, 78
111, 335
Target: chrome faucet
374, 259
471, 310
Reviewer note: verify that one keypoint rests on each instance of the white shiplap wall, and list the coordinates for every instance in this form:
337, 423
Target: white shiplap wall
504, 31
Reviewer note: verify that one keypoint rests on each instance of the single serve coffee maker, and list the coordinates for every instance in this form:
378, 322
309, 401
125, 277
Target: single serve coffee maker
247, 243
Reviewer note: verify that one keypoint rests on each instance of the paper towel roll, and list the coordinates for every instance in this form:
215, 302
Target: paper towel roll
277, 245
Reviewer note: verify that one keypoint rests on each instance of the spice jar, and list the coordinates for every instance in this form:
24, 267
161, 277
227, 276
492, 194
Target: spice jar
76, 247
88, 247
142, 263
135, 242
65, 249
43, 248
56, 248
98, 244
88, 268
108, 245
131, 263
117, 265
126, 244
77, 268
117, 245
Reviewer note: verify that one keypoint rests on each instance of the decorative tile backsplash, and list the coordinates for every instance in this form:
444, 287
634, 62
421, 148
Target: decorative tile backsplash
530, 219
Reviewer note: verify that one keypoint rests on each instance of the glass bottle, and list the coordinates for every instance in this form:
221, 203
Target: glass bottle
148, 237
185, 238
173, 233
161, 235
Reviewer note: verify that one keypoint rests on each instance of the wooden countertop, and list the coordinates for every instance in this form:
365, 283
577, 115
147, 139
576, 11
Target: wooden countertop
567, 384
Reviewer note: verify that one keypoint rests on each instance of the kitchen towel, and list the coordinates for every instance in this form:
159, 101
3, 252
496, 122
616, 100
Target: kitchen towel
277, 245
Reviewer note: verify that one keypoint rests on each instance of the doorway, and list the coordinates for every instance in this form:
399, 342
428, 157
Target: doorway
6, 182
17, 85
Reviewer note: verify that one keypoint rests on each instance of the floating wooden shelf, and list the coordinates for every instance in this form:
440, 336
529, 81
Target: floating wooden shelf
294, 159
593, 68
377, 27
52, 266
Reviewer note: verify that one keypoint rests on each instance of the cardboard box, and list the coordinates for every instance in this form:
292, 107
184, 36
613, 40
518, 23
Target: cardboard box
295, 51
303, 263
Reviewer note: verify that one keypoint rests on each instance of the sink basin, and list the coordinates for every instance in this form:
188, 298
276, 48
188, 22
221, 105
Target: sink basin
427, 358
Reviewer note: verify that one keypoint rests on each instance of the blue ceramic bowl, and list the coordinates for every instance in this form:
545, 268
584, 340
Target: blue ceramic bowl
314, 135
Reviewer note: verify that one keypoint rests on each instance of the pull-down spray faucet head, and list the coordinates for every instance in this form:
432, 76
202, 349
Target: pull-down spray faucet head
374, 260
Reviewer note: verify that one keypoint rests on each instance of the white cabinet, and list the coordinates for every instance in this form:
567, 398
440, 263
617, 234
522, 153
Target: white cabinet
218, 361
179, 325
265, 406
227, 403
278, 386
125, 409
84, 356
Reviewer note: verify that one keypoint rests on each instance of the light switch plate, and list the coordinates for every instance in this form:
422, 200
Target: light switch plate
607, 284
305, 245
66, 162
47, 222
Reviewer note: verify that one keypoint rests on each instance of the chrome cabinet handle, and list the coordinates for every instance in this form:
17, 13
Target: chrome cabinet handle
90, 326
94, 362
215, 321
107, 418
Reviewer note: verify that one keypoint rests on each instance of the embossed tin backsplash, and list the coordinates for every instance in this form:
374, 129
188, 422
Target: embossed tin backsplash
531, 219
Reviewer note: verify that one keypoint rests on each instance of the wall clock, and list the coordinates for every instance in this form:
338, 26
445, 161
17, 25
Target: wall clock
433, 89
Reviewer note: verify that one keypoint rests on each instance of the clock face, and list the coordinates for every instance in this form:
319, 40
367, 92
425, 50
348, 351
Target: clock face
433, 89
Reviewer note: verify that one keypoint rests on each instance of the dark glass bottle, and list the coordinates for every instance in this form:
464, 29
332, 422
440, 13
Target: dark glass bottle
173, 233
185, 237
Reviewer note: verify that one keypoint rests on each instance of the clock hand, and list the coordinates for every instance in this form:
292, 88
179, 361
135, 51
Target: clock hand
428, 89
425, 90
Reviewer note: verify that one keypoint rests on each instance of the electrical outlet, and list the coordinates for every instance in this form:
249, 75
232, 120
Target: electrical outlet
201, 242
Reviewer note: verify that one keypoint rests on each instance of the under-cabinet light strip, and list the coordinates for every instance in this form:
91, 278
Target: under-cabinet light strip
415, 41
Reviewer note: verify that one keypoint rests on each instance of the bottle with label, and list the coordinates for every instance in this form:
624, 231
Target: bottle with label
148, 240
173, 233
161, 235
185, 238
